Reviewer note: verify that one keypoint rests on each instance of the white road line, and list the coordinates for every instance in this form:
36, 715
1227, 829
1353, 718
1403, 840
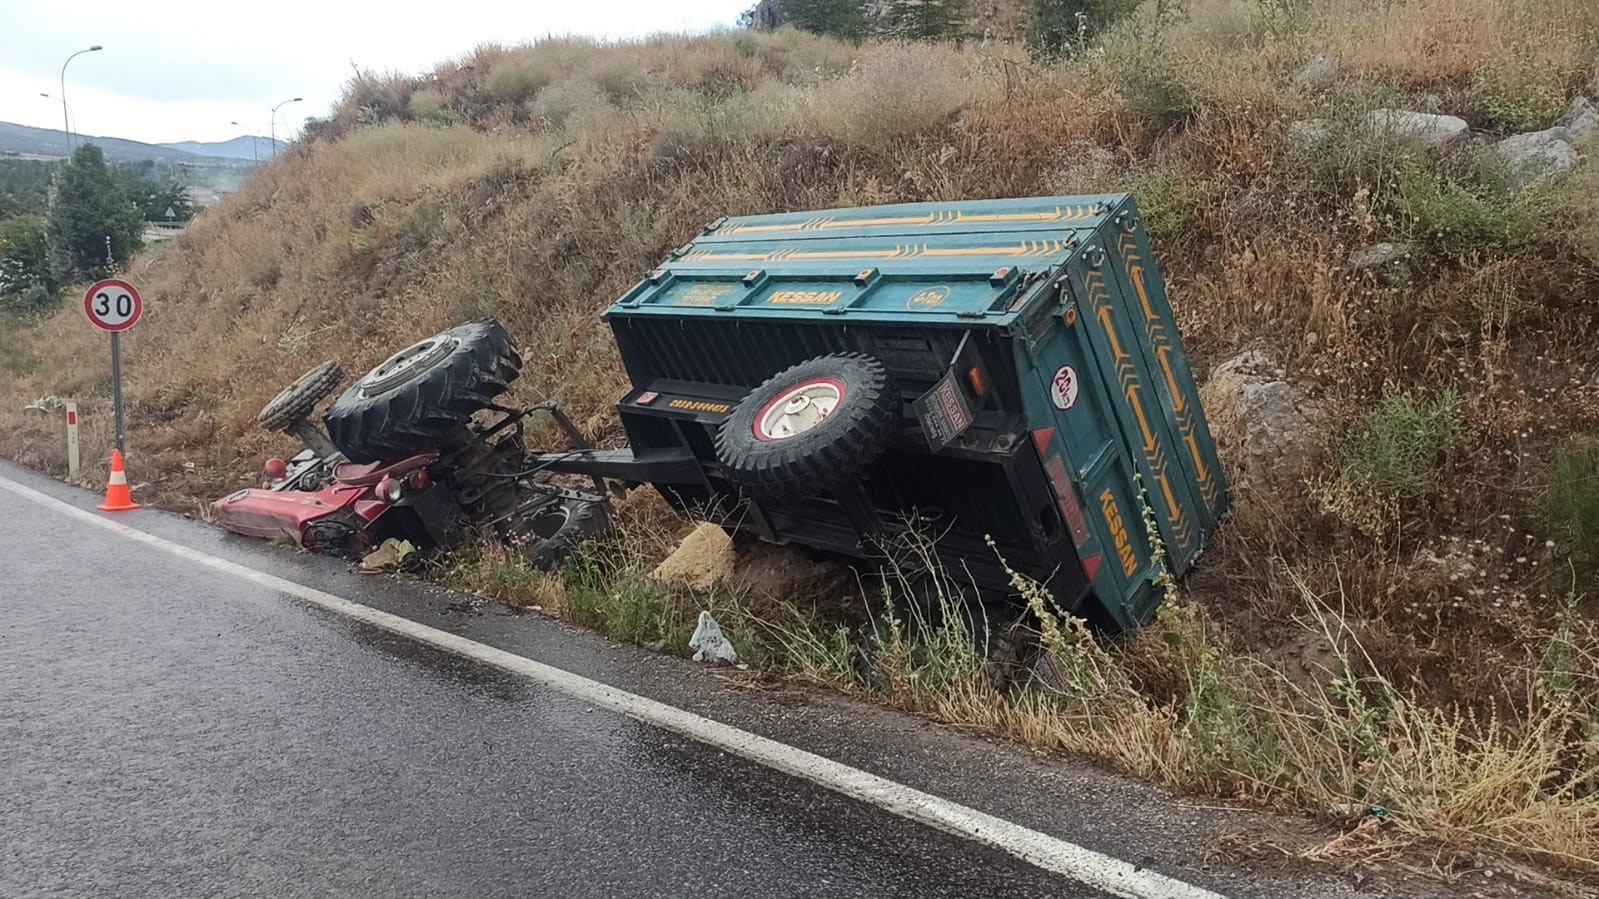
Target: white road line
1094, 869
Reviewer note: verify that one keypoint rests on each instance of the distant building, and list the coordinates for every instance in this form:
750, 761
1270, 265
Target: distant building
201, 197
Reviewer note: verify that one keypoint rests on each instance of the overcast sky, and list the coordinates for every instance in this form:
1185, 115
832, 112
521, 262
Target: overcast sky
184, 69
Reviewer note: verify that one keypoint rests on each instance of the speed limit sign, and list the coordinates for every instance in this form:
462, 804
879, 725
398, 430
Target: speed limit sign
113, 305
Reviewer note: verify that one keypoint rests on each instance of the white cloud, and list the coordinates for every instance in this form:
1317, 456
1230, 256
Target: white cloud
185, 69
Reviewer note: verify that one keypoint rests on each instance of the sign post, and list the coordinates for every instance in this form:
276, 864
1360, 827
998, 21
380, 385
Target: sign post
114, 305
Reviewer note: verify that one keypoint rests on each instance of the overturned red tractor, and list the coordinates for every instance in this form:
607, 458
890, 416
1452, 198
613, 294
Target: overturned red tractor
1004, 376
405, 454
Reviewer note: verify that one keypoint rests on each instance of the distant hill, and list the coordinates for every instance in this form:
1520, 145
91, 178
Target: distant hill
242, 147
25, 140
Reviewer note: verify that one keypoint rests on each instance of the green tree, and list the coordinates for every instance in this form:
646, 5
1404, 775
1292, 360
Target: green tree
154, 201
839, 18
27, 282
1055, 26
926, 20
94, 225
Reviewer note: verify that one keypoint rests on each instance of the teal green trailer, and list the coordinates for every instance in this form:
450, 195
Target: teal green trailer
997, 370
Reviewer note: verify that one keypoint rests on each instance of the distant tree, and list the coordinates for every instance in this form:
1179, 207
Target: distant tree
27, 281
1055, 26
94, 226
837, 18
156, 201
926, 20
26, 182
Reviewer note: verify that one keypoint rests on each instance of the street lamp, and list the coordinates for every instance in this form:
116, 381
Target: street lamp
254, 151
52, 99
66, 125
275, 123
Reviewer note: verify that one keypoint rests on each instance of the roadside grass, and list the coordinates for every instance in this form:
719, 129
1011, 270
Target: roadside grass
1178, 704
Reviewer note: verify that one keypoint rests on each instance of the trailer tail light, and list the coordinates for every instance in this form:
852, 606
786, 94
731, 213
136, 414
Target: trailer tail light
974, 376
389, 490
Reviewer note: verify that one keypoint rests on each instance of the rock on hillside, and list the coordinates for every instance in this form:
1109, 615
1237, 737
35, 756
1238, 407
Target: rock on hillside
1538, 156
1260, 422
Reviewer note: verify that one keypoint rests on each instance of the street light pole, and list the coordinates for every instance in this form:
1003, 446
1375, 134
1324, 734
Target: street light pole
65, 124
52, 99
274, 124
254, 149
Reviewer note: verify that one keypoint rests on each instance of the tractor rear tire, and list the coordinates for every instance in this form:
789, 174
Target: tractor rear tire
583, 521
298, 400
776, 455
426, 392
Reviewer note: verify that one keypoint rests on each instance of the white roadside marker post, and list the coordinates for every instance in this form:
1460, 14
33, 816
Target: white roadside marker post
72, 441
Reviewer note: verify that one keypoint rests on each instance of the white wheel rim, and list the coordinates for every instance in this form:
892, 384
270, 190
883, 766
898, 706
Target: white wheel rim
398, 367
799, 409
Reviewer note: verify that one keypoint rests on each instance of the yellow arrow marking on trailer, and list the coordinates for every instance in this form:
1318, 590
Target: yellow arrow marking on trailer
1135, 273
935, 218
1025, 248
1133, 391
1199, 465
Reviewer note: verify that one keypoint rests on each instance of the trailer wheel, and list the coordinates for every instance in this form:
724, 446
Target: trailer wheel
417, 396
562, 529
810, 427
298, 400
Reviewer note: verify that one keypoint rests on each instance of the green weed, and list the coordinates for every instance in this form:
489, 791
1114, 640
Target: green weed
1570, 507
1396, 451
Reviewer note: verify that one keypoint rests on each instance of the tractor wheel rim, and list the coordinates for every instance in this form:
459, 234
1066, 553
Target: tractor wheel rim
399, 366
799, 409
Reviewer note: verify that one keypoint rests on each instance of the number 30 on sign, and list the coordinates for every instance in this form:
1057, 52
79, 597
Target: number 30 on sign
113, 305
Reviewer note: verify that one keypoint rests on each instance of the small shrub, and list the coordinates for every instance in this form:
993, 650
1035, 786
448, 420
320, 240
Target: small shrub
895, 93
624, 602
1398, 448
621, 78
27, 281
516, 77
1571, 503
1350, 156
1142, 70
745, 45
429, 106
1520, 93
568, 100
1167, 198
371, 98
1473, 214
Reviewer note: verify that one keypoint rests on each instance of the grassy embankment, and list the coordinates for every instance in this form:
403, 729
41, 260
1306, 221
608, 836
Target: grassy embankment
1411, 626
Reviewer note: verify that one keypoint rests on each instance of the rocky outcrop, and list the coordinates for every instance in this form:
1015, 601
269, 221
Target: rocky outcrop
1389, 262
1582, 121
1319, 74
1259, 421
1537, 156
1435, 132
703, 558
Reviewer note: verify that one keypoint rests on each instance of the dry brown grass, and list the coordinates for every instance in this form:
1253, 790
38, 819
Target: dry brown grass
572, 167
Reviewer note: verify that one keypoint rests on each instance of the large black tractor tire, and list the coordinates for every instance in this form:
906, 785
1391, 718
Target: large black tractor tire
298, 400
763, 451
425, 392
562, 529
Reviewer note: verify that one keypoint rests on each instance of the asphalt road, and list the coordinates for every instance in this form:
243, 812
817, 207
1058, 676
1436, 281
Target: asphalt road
166, 731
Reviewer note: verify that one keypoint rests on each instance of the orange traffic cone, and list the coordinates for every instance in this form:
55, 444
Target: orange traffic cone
118, 498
